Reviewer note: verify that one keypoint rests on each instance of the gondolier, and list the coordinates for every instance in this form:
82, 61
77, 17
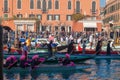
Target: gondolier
98, 47
70, 47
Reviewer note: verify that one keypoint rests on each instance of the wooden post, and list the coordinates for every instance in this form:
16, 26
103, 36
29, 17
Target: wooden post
1, 53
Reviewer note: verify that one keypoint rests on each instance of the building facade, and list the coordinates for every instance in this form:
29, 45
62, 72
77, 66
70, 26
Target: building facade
112, 14
50, 15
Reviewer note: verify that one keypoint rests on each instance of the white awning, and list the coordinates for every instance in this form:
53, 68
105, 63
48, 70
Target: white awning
89, 24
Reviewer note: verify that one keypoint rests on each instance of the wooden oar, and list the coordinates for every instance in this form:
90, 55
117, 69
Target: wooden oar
12, 65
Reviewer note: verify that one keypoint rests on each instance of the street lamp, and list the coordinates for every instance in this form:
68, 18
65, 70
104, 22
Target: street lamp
1, 53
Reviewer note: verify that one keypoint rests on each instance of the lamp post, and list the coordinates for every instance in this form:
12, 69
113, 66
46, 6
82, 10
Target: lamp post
1, 53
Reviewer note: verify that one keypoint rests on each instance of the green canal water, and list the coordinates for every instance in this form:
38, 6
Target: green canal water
100, 69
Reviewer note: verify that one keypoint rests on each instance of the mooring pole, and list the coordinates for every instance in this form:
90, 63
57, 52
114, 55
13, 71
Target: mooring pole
1, 53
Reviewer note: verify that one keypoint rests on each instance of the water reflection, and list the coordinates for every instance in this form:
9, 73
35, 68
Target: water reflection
103, 68
100, 69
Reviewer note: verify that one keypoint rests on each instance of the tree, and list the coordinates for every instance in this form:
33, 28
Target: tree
77, 17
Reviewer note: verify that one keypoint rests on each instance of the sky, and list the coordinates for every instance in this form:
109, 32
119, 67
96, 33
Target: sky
102, 3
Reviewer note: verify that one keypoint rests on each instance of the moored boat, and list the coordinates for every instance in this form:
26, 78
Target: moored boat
46, 68
90, 56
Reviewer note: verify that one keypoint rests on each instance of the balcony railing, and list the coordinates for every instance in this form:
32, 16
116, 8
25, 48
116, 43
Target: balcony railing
93, 11
6, 10
44, 10
77, 10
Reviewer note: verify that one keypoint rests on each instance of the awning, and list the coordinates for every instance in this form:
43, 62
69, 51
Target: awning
90, 25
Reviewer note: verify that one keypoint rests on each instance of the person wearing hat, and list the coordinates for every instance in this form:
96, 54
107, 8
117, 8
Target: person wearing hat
112, 44
66, 61
109, 46
50, 48
70, 47
98, 47
10, 60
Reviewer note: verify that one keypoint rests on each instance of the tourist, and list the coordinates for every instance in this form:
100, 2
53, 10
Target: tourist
28, 44
9, 46
84, 46
91, 41
25, 50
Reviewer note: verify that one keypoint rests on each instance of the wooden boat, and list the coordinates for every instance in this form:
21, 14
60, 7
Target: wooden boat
30, 55
90, 56
46, 68
88, 51
73, 58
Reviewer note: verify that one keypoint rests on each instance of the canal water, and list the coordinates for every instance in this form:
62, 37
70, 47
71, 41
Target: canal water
99, 69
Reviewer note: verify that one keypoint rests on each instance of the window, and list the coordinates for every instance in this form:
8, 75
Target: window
57, 17
18, 4
77, 6
44, 5
38, 4
5, 5
69, 4
56, 4
56, 28
31, 16
93, 7
49, 17
49, 4
69, 17
39, 17
19, 15
31, 4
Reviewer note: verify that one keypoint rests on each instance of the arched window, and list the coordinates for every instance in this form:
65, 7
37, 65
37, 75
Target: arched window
18, 4
49, 4
56, 4
44, 5
77, 6
69, 4
38, 4
31, 4
93, 6
5, 5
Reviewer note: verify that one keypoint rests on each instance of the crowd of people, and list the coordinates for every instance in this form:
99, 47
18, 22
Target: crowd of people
82, 39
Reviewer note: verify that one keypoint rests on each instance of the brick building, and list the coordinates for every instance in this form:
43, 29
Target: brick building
51, 15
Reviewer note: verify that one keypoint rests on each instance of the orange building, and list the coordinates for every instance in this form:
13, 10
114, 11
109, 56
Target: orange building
51, 15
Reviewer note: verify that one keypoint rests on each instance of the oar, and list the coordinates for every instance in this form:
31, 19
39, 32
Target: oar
12, 65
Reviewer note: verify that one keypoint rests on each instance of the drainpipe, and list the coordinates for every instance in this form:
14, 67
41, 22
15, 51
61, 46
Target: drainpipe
1, 53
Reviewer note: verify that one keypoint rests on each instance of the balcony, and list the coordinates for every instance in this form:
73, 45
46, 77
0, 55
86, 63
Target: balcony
93, 11
44, 11
77, 10
7, 10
